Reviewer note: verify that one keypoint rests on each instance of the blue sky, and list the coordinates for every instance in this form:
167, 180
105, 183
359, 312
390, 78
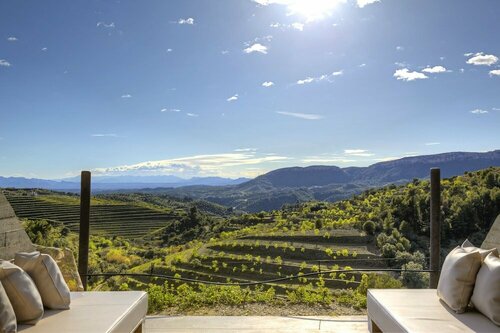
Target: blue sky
239, 87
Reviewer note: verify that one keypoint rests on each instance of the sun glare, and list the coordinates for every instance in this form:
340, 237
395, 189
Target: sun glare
313, 10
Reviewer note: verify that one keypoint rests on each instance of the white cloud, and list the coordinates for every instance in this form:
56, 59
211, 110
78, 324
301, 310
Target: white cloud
257, 47
44, 49
307, 116
169, 50
224, 52
106, 25
5, 63
189, 21
126, 96
233, 164
354, 151
405, 75
358, 152
170, 110
324, 77
191, 114
245, 149
12, 39
363, 3
478, 111
233, 98
481, 59
401, 64
325, 160
104, 135
298, 26
268, 84
306, 80
399, 48
435, 69
495, 72
387, 159
432, 143
361, 65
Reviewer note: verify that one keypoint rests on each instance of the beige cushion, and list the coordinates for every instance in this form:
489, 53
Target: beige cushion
457, 278
7, 316
96, 312
486, 295
22, 292
47, 277
469, 247
421, 311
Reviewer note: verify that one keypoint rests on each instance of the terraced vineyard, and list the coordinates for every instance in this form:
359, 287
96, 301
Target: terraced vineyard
253, 258
107, 217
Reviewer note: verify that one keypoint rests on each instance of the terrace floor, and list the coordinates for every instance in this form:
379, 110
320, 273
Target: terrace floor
261, 324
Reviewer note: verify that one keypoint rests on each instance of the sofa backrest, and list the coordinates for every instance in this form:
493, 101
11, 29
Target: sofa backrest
13, 238
493, 238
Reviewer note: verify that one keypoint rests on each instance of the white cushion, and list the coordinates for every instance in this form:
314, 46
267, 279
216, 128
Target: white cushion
96, 312
8, 322
457, 278
469, 247
486, 295
22, 292
421, 311
47, 277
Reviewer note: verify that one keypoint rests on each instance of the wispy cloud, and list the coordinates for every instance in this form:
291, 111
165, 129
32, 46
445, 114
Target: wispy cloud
495, 72
481, 59
170, 110
12, 39
432, 143
257, 47
227, 164
245, 149
405, 75
106, 25
362, 65
324, 77
191, 114
5, 63
224, 52
358, 152
267, 84
307, 116
435, 69
478, 111
363, 3
44, 49
104, 135
169, 50
295, 25
126, 96
233, 98
400, 48
188, 20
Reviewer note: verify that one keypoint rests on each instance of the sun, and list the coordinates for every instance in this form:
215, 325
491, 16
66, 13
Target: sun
312, 10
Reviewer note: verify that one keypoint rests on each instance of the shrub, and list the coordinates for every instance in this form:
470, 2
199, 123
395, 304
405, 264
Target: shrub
369, 227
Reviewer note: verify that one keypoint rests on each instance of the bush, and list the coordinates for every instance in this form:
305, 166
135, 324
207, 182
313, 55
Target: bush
369, 227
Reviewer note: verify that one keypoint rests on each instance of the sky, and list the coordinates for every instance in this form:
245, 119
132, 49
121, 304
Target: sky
235, 88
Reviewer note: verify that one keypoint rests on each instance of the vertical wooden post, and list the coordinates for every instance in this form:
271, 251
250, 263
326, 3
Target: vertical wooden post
83, 249
435, 227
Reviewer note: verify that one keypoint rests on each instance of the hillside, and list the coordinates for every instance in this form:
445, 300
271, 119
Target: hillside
322, 244
330, 183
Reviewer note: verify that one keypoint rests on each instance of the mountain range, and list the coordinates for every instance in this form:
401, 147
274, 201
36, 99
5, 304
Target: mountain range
280, 186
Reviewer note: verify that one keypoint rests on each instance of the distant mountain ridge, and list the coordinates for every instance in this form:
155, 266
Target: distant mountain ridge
110, 183
281, 186
400, 170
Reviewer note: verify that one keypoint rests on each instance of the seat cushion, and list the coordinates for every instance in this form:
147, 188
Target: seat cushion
420, 310
8, 322
47, 277
107, 311
22, 293
486, 294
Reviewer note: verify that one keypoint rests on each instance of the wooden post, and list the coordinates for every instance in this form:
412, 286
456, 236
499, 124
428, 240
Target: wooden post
83, 249
435, 227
